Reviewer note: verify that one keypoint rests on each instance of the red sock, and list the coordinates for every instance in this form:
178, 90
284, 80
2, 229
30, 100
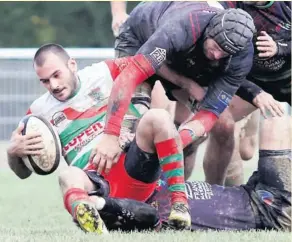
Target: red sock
73, 197
187, 137
172, 163
206, 118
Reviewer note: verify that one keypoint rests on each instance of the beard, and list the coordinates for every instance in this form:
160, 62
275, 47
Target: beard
74, 84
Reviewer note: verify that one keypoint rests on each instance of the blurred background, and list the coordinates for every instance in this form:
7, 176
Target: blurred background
72, 24
83, 28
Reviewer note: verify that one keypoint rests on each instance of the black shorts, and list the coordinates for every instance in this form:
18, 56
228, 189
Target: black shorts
140, 165
270, 190
126, 43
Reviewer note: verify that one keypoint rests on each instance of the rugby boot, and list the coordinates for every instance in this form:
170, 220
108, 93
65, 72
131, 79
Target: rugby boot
88, 218
180, 217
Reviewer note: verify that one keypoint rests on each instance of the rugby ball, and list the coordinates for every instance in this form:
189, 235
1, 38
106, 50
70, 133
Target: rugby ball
49, 160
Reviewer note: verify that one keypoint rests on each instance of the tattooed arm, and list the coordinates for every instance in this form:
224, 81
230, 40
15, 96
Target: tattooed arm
161, 45
128, 73
108, 150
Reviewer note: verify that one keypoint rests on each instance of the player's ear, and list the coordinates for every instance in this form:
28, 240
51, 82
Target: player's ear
72, 65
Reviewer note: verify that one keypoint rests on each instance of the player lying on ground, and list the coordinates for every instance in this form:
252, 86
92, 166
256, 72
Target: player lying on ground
264, 202
271, 72
76, 104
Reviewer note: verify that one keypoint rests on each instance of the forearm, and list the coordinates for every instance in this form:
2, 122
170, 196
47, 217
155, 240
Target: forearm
217, 99
195, 90
18, 167
200, 124
248, 91
137, 71
118, 7
140, 101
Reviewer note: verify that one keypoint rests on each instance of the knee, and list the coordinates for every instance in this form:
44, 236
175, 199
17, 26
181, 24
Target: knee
223, 129
158, 119
69, 176
246, 154
247, 148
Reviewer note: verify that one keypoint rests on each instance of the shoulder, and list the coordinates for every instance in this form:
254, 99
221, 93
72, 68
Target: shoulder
241, 63
38, 105
94, 71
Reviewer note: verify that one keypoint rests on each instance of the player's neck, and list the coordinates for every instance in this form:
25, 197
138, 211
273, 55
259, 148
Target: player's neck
77, 87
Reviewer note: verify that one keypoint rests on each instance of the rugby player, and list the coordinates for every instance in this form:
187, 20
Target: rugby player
76, 104
198, 48
263, 203
271, 72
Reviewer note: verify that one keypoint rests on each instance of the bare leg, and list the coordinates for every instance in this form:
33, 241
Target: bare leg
73, 177
246, 138
219, 149
234, 174
275, 133
75, 185
249, 136
221, 143
156, 133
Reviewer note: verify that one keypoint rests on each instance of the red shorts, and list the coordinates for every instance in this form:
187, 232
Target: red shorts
123, 186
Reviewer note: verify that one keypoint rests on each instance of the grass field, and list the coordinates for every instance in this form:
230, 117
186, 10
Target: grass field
32, 210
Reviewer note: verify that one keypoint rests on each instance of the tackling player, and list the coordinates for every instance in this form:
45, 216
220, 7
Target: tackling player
216, 55
271, 72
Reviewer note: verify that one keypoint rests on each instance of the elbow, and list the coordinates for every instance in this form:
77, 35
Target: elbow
19, 169
23, 173
23, 176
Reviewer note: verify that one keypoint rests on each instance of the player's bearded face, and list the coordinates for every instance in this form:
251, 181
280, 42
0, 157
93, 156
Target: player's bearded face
213, 51
67, 84
59, 78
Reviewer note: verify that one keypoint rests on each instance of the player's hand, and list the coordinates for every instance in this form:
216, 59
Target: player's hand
117, 21
22, 145
106, 153
267, 104
266, 46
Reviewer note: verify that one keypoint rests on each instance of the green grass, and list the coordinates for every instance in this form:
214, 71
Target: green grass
32, 210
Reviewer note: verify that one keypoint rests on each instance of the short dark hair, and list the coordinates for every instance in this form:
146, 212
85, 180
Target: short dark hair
40, 55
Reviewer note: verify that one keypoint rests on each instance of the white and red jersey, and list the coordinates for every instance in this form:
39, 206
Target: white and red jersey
80, 120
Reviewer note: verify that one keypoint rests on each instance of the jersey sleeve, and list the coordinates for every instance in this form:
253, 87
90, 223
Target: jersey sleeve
221, 90
248, 91
173, 36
